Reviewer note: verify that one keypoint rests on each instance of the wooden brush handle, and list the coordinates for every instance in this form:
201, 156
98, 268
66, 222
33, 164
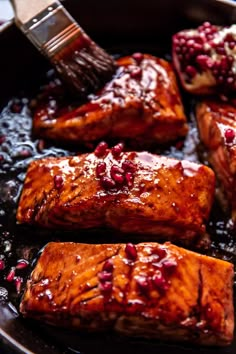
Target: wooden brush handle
25, 10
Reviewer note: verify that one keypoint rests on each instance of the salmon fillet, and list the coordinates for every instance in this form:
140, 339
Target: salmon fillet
138, 193
141, 103
150, 290
217, 128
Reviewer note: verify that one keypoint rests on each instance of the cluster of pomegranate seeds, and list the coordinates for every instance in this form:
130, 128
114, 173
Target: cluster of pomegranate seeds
205, 50
165, 266
117, 176
229, 136
105, 277
58, 181
12, 274
131, 252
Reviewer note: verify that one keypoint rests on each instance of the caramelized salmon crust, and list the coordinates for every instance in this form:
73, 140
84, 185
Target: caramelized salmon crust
141, 103
217, 128
137, 193
149, 290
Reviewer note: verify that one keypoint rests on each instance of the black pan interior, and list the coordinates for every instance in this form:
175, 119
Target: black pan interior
122, 27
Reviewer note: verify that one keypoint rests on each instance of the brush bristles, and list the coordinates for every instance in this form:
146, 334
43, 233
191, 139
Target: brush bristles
84, 65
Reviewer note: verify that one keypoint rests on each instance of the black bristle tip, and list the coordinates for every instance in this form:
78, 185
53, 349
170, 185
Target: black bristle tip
84, 65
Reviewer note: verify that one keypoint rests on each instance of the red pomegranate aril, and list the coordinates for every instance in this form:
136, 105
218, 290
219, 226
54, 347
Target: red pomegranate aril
136, 73
143, 283
106, 287
169, 265
107, 183
2, 139
22, 264
131, 251
117, 174
159, 281
129, 177
129, 166
101, 169
58, 181
161, 252
229, 135
11, 275
230, 80
117, 149
138, 57
101, 149
231, 45
191, 71
105, 276
18, 283
108, 266
2, 264
204, 62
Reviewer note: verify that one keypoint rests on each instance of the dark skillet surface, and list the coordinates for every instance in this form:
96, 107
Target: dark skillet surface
22, 242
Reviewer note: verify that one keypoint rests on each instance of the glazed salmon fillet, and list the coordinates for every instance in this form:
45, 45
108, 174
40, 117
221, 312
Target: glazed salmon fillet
142, 103
149, 290
217, 128
135, 192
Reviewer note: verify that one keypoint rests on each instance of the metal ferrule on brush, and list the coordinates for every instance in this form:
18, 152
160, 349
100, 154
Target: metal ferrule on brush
51, 29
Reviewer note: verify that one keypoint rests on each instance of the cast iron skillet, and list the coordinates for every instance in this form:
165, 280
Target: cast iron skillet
122, 26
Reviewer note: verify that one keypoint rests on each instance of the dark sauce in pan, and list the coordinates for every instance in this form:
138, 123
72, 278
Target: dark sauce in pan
20, 244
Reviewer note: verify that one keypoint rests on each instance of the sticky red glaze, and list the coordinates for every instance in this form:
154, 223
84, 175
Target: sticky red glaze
140, 104
187, 298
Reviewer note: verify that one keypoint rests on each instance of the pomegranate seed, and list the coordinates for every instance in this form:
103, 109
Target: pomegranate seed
136, 73
191, 71
160, 252
105, 276
11, 275
169, 265
159, 281
106, 287
117, 149
101, 149
25, 153
231, 45
129, 177
117, 174
129, 166
131, 251
18, 283
108, 266
204, 61
143, 284
138, 57
229, 135
101, 169
2, 139
22, 264
2, 264
58, 181
107, 183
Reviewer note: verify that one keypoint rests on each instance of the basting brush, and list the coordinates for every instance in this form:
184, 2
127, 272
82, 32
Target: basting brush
78, 59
